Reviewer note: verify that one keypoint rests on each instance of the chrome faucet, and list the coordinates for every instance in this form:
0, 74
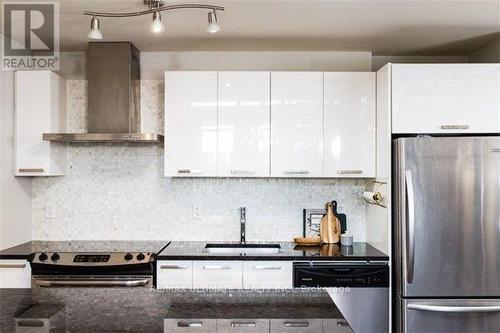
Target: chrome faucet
243, 221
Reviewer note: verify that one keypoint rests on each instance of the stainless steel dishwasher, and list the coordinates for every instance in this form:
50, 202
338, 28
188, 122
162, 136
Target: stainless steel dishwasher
360, 290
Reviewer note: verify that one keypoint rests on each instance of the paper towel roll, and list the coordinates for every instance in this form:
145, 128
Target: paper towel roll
372, 197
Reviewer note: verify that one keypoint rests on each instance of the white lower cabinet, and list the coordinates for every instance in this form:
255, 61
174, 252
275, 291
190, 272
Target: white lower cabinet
190, 325
267, 275
210, 274
15, 274
243, 325
174, 274
296, 325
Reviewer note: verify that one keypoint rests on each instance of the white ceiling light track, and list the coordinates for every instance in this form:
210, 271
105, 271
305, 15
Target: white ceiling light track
154, 7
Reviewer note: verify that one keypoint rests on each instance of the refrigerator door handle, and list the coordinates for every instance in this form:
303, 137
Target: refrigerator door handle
459, 309
411, 227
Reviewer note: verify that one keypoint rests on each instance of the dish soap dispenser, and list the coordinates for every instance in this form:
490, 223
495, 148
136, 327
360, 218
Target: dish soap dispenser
330, 226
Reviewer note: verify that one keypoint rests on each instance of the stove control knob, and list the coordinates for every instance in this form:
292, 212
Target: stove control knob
140, 256
43, 256
128, 257
55, 257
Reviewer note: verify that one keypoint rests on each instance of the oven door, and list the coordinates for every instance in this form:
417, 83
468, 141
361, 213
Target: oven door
93, 281
452, 315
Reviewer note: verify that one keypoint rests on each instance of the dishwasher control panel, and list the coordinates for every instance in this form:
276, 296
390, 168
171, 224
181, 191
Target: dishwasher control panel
340, 274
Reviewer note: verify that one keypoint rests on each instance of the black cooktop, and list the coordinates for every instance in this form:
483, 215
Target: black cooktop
24, 250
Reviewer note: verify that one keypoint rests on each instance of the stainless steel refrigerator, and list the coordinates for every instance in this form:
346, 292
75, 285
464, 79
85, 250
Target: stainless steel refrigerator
447, 234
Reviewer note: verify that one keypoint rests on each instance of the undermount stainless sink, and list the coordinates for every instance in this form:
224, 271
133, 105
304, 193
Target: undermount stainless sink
243, 248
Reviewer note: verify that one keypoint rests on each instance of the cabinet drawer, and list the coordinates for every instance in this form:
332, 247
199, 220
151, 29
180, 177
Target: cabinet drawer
15, 274
336, 326
267, 274
174, 274
217, 274
296, 325
190, 325
243, 325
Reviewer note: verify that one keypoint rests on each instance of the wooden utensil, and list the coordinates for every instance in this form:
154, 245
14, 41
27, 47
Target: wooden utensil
330, 229
307, 241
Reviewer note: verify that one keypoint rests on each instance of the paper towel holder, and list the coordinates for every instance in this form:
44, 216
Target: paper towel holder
375, 195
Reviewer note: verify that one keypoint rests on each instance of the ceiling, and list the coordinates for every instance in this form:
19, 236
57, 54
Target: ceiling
403, 27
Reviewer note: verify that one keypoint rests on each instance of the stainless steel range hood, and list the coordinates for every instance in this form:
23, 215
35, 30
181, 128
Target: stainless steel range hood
114, 97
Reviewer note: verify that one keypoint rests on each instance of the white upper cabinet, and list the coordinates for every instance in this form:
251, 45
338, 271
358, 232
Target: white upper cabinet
446, 98
243, 124
297, 124
349, 124
190, 124
40, 108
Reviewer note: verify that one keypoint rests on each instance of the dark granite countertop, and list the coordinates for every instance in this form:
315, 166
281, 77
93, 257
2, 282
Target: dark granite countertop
23, 251
254, 311
288, 251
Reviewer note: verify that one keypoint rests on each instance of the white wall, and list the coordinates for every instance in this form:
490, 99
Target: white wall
15, 193
379, 61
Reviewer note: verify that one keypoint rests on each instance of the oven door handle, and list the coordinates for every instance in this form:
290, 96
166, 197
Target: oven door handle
92, 282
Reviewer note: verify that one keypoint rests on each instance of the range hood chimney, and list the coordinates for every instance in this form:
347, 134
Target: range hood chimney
114, 97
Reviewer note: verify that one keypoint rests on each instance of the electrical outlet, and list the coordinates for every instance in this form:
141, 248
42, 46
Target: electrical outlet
196, 212
50, 210
340, 209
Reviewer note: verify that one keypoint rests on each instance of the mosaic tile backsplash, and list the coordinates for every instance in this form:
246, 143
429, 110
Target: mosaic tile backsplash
118, 192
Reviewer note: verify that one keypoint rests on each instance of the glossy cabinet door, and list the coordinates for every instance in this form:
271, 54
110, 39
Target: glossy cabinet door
174, 274
446, 98
209, 274
297, 124
243, 124
40, 108
15, 274
349, 124
267, 275
190, 124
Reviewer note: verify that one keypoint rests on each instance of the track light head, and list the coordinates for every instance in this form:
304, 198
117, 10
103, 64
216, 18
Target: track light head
94, 32
213, 26
157, 25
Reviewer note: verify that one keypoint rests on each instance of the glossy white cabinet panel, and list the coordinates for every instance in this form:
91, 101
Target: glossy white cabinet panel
349, 124
174, 274
267, 275
243, 124
297, 124
217, 274
40, 108
15, 274
446, 98
190, 124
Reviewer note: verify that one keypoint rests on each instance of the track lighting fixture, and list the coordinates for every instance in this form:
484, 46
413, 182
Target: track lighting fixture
154, 7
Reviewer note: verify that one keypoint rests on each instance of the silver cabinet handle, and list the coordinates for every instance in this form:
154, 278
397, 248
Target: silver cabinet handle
216, 267
349, 172
242, 172
495, 150
411, 226
296, 172
189, 172
454, 127
296, 324
12, 265
173, 267
459, 309
263, 267
243, 324
30, 323
190, 324
92, 282
28, 170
